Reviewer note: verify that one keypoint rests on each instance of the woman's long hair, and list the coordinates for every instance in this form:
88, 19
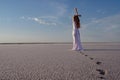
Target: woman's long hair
77, 21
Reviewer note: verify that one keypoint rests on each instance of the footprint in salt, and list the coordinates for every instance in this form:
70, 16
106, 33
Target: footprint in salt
98, 62
91, 58
102, 72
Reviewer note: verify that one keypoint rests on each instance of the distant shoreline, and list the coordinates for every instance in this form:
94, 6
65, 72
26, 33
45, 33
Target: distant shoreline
39, 43
101, 43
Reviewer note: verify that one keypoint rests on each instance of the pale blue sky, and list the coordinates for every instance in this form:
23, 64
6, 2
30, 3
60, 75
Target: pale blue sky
50, 20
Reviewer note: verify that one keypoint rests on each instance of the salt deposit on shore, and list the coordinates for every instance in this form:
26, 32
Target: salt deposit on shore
59, 62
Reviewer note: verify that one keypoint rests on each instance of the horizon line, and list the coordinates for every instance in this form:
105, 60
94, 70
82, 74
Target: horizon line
50, 42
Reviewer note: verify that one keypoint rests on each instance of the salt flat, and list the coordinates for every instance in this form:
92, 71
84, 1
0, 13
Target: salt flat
59, 62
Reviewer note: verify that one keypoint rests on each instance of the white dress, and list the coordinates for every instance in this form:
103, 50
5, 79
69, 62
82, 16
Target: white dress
76, 39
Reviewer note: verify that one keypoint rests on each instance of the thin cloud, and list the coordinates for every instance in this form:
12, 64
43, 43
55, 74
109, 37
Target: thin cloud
106, 23
59, 8
62, 10
48, 17
22, 17
42, 21
101, 11
105, 29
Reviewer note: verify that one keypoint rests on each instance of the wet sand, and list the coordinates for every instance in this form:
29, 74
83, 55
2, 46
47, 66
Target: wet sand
99, 61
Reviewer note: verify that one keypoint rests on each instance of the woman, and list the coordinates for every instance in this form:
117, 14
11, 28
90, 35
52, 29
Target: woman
76, 34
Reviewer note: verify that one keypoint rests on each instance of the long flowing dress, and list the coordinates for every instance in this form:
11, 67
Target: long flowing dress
76, 38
